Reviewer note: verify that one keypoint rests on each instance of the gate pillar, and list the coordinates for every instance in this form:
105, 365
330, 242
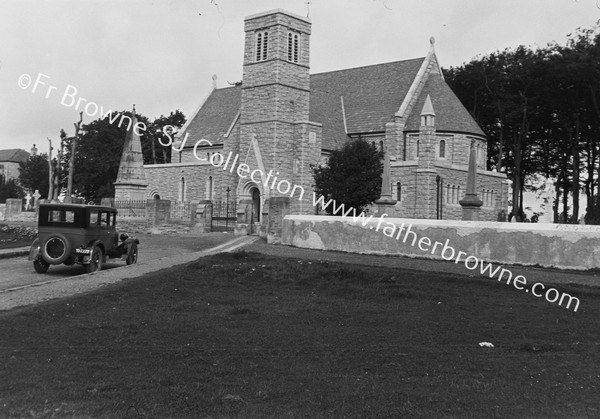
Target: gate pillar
279, 207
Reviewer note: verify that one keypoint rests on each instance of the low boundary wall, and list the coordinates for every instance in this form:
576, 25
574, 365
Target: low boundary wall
563, 246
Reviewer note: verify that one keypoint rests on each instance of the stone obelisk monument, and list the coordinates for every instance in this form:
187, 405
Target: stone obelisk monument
471, 202
131, 179
385, 203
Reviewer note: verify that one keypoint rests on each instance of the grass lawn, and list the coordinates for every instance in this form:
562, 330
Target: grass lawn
251, 336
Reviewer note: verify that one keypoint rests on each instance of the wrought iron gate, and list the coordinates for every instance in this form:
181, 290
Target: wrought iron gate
223, 216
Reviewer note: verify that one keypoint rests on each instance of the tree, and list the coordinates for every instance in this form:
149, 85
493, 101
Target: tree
73, 154
540, 109
33, 174
9, 189
99, 149
154, 152
352, 175
97, 158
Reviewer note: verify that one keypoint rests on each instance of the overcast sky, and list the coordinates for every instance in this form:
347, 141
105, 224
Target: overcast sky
162, 54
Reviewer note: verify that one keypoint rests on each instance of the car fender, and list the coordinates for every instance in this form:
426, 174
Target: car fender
87, 256
34, 250
128, 245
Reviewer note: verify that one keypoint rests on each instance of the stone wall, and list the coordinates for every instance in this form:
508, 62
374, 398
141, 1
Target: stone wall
278, 209
12, 210
165, 180
549, 245
419, 186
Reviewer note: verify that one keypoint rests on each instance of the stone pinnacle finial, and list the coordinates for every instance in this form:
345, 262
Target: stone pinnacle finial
427, 107
432, 41
133, 109
214, 81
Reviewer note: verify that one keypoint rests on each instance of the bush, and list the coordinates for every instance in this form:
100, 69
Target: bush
352, 175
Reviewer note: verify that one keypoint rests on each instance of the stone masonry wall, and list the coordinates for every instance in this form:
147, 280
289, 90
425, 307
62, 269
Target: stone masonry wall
552, 245
418, 199
307, 151
165, 180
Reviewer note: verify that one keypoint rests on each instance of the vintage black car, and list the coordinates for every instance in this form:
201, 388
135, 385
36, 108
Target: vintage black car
78, 233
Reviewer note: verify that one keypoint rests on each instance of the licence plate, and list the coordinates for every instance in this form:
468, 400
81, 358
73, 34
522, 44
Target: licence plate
86, 251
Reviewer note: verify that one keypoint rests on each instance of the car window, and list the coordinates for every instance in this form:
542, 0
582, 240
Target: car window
106, 219
61, 216
95, 217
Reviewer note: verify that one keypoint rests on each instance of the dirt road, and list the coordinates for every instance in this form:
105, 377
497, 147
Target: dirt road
18, 271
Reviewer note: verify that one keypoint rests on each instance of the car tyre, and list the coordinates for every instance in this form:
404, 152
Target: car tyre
96, 257
56, 249
132, 255
40, 265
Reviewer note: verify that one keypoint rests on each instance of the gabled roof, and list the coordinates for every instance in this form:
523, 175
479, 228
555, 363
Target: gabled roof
15, 155
216, 115
326, 108
450, 114
354, 101
372, 94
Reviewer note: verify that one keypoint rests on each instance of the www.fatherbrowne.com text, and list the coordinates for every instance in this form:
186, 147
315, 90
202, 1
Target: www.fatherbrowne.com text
448, 253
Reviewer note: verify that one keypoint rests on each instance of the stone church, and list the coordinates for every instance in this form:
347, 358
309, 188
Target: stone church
281, 119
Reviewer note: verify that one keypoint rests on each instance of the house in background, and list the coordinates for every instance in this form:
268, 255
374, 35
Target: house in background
9, 162
280, 118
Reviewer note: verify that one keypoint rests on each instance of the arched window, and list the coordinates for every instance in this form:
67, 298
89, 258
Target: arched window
442, 152
381, 145
458, 197
262, 45
293, 50
418, 144
209, 188
256, 205
448, 194
399, 191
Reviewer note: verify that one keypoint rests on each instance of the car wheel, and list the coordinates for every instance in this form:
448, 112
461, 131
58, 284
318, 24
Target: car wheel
40, 265
56, 249
95, 260
133, 254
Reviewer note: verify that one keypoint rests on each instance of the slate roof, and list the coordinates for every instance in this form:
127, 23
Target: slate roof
326, 108
450, 114
216, 116
371, 96
15, 155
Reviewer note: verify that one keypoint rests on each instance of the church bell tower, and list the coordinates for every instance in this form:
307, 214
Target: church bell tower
275, 94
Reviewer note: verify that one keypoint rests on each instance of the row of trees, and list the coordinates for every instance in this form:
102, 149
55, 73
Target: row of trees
541, 111
97, 156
